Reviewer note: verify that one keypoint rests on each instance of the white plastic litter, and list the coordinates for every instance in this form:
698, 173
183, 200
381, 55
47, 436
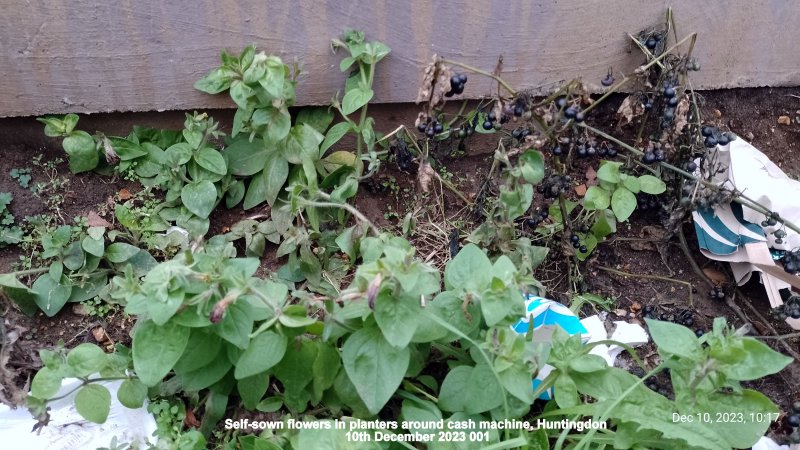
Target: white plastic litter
750, 171
766, 443
68, 430
627, 333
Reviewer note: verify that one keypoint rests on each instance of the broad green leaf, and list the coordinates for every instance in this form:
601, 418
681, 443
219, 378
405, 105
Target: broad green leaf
374, 366
469, 270
517, 381
482, 392
532, 166
236, 325
86, 359
119, 252
674, 339
192, 360
93, 402
81, 148
760, 361
22, 296
216, 81
496, 306
333, 136
591, 243
652, 185
565, 391
517, 201
587, 364
50, 295
46, 383
156, 349
605, 224
632, 183
211, 160
205, 377
280, 122
609, 172
94, 247
318, 118
325, 368
596, 198
199, 197
246, 158
623, 203
132, 393
264, 351
355, 99
125, 149
178, 154
270, 404
252, 389
743, 430
302, 144
396, 317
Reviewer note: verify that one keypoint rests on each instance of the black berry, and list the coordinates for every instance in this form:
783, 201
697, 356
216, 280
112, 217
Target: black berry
570, 113
583, 249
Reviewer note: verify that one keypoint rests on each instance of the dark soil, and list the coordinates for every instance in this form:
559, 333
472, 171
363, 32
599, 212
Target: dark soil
752, 114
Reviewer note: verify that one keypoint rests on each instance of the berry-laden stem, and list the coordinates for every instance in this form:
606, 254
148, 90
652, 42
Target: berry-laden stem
502, 82
738, 196
641, 69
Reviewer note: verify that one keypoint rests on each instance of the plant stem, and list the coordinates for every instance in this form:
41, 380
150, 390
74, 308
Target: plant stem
643, 68
347, 207
84, 383
22, 273
502, 82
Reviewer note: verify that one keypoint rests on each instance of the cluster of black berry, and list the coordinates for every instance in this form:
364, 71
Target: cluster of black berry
457, 83
789, 309
576, 243
653, 155
771, 221
431, 127
537, 218
588, 150
519, 108
684, 318
554, 185
793, 420
670, 102
653, 384
791, 261
491, 118
703, 197
651, 42
715, 137
648, 201
716, 293
570, 112
520, 133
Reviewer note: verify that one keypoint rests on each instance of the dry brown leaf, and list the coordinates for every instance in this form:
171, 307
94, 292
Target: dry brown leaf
715, 275
425, 175
100, 335
784, 120
629, 109
591, 177
191, 420
124, 194
94, 220
636, 307
682, 114
580, 190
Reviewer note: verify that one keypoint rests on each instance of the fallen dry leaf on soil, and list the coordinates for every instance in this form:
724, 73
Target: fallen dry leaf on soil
591, 177
94, 220
784, 120
629, 109
124, 194
424, 176
580, 190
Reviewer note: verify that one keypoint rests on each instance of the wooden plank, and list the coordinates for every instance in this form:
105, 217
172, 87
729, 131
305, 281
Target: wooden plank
126, 55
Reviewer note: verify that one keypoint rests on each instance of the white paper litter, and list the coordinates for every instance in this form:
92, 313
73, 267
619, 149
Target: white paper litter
627, 333
68, 430
751, 172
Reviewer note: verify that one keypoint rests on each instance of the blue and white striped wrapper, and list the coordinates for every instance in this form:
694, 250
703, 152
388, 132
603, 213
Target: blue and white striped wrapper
546, 314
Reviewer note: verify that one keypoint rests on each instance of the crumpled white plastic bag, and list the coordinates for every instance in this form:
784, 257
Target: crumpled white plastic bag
68, 430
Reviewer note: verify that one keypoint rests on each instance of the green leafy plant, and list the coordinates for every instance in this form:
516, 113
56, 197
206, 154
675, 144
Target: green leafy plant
22, 175
10, 232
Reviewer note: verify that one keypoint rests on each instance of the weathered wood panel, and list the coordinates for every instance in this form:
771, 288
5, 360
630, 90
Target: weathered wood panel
137, 55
